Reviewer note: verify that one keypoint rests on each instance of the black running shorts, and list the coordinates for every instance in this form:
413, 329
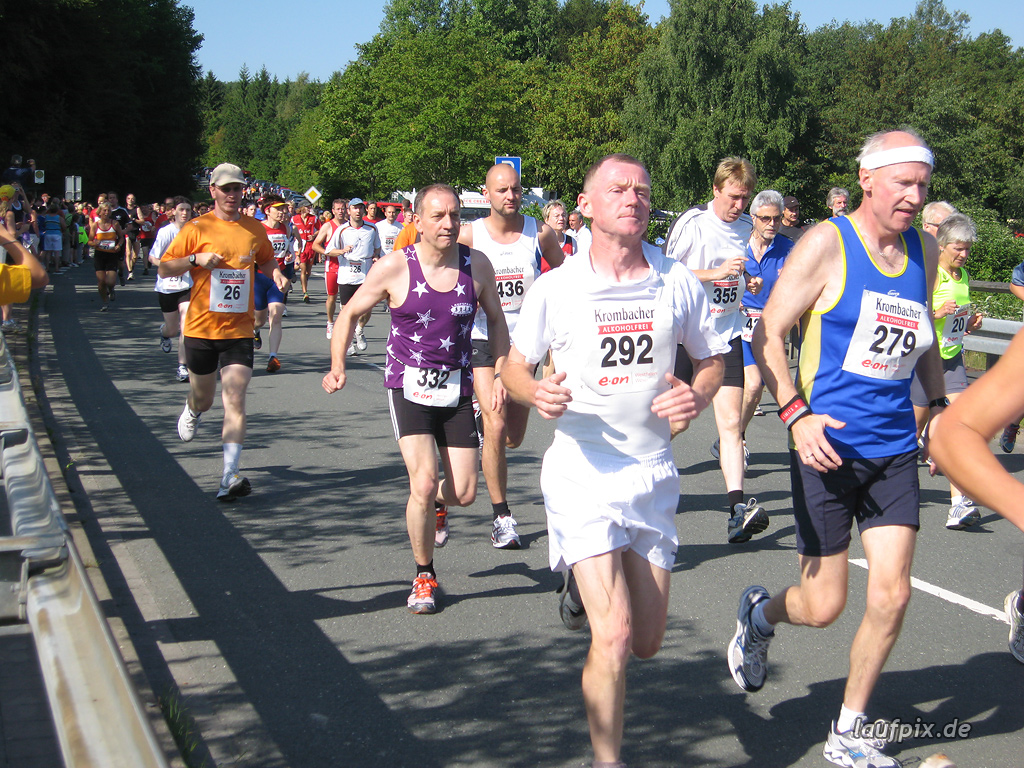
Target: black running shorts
876, 492
733, 364
452, 427
203, 355
169, 302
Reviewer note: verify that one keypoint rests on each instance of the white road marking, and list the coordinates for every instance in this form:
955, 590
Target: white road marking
945, 594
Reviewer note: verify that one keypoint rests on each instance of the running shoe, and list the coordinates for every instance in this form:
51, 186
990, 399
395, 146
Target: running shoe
305, 298
748, 649
182, 374
758, 411
441, 532
962, 514
131, 276
257, 340
10, 326
235, 487
747, 520
1016, 619
285, 312
273, 364
1009, 438
165, 343
856, 751
746, 452
360, 339
573, 615
351, 349
187, 424
104, 308
503, 533
423, 598
330, 330
110, 292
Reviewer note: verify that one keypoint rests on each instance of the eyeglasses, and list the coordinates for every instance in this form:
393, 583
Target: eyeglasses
767, 219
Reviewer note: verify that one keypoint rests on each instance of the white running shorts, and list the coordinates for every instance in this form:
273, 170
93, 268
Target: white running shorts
598, 503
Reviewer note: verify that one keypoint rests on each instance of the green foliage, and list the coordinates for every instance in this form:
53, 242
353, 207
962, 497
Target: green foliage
996, 251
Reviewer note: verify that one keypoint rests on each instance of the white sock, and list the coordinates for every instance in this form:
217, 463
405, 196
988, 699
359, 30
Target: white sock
847, 719
232, 453
761, 624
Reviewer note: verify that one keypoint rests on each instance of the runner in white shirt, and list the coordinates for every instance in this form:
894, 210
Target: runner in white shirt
613, 319
354, 244
514, 243
388, 228
712, 241
173, 292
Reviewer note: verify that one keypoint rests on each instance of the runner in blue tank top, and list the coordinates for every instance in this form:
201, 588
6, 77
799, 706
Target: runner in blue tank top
432, 289
861, 288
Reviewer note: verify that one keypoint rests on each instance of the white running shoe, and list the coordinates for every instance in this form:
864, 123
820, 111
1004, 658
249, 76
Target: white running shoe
360, 339
187, 424
441, 530
423, 598
503, 533
182, 374
747, 520
351, 349
852, 751
1016, 620
165, 343
235, 487
962, 514
748, 649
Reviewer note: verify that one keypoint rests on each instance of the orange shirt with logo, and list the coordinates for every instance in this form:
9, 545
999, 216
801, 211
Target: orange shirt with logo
221, 306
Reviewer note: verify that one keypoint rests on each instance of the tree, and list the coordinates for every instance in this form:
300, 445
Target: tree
578, 105
724, 80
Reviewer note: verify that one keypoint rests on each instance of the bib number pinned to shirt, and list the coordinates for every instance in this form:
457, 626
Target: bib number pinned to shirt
229, 290
955, 327
751, 317
890, 335
432, 386
724, 296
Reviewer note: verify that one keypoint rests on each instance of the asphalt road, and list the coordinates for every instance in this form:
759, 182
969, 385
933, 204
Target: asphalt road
280, 619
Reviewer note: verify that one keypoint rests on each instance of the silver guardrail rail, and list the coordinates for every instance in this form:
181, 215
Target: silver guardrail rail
99, 719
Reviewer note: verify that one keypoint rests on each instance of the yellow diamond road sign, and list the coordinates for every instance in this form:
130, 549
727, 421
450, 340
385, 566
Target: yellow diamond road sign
313, 194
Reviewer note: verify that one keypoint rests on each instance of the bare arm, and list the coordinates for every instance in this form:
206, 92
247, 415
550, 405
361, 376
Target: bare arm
804, 278
1017, 290
21, 255
929, 365
548, 395
378, 286
684, 402
960, 436
497, 328
321, 239
549, 246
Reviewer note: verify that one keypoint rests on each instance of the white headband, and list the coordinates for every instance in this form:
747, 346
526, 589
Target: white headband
914, 154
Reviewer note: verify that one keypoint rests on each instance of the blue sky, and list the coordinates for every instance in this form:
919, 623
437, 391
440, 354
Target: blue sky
319, 36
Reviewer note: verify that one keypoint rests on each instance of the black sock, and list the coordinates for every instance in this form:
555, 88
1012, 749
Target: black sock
735, 497
500, 509
428, 569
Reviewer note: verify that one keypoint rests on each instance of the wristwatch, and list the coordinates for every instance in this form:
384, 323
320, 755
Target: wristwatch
192, 259
941, 402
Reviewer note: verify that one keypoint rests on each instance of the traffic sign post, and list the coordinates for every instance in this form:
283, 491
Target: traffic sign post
73, 188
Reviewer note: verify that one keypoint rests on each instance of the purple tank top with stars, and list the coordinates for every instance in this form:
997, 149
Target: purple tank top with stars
432, 329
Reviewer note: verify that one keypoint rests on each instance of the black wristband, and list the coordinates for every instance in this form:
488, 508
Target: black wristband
793, 411
940, 402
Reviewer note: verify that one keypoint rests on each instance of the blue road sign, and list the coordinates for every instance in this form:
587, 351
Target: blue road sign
515, 162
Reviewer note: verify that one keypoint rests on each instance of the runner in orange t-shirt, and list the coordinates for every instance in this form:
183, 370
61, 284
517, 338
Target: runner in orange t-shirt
221, 250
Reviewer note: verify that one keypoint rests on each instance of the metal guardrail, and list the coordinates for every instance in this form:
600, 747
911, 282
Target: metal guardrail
98, 717
995, 335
